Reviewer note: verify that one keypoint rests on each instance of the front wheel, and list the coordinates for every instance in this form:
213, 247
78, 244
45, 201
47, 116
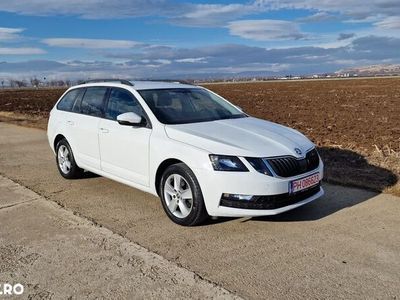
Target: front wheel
181, 196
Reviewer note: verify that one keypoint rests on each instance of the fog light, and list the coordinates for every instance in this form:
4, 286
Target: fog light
227, 196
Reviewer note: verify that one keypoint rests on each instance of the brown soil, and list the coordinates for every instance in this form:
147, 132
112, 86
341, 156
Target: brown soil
355, 123
37, 102
344, 113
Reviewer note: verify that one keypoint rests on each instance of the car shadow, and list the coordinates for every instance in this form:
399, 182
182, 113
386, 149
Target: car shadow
346, 168
349, 168
89, 175
335, 199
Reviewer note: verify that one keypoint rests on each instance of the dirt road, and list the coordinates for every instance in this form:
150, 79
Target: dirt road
344, 245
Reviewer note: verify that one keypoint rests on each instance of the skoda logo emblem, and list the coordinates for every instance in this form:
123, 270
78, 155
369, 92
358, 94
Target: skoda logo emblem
298, 151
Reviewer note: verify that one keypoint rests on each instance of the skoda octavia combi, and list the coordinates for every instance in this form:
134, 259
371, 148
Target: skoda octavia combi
202, 155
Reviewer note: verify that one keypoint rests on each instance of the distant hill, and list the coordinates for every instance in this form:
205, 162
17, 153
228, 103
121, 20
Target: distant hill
372, 70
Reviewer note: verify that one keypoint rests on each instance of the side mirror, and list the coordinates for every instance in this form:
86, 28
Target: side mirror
130, 119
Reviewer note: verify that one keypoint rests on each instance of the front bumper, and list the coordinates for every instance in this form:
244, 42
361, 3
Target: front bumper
272, 192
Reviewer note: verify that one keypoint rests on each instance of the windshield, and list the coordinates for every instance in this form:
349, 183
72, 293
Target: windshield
188, 105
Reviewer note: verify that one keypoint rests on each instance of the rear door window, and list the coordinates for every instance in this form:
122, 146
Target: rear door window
92, 101
67, 102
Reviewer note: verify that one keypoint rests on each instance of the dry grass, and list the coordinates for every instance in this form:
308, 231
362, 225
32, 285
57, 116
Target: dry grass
386, 157
26, 120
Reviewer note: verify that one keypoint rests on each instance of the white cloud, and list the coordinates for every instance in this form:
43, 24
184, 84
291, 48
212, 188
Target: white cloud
21, 51
91, 9
187, 13
207, 15
258, 67
90, 43
175, 11
264, 30
356, 9
318, 17
9, 33
389, 23
345, 36
192, 60
204, 11
221, 60
163, 61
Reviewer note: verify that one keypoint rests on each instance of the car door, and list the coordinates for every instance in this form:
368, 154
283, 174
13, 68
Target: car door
84, 127
124, 149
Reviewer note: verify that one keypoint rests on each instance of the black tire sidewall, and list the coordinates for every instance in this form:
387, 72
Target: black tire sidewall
75, 171
198, 213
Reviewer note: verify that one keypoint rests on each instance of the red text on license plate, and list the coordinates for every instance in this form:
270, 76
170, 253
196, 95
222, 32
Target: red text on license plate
303, 183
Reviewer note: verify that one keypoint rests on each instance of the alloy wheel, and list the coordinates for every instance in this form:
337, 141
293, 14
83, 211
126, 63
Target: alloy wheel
64, 160
178, 196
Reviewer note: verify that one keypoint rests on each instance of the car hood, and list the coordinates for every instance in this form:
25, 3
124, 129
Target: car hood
241, 137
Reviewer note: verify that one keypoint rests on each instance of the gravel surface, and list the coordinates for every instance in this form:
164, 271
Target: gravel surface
55, 254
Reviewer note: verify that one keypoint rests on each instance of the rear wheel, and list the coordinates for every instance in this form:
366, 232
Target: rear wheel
181, 196
66, 162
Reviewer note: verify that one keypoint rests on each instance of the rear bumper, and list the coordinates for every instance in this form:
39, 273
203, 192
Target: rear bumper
271, 194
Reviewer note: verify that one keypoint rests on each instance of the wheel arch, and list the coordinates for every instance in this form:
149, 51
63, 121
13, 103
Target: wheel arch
58, 138
160, 170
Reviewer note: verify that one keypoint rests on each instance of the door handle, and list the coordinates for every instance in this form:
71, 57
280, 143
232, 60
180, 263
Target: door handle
104, 130
70, 122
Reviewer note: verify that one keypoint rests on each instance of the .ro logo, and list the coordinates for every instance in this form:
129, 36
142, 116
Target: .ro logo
11, 289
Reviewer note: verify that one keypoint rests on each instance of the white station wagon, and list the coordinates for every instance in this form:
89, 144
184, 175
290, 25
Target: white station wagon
202, 155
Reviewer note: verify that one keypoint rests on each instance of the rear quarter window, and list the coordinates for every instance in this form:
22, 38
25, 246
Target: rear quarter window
67, 102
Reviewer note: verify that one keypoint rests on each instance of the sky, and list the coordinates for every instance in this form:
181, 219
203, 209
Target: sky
75, 39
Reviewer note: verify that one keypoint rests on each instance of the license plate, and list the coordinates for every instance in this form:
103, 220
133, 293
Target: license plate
303, 183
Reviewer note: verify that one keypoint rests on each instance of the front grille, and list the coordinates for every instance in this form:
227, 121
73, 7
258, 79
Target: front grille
271, 202
289, 166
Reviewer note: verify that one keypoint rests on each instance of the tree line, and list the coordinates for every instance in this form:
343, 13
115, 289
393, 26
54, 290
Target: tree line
35, 82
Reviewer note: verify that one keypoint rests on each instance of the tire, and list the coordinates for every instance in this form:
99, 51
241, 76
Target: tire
66, 162
176, 201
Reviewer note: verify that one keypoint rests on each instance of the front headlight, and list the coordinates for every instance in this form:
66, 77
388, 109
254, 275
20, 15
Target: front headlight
227, 163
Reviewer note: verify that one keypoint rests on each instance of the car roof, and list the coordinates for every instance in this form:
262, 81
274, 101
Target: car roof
139, 84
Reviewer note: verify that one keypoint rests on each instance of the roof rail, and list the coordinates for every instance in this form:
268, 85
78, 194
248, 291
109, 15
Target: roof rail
171, 81
122, 81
